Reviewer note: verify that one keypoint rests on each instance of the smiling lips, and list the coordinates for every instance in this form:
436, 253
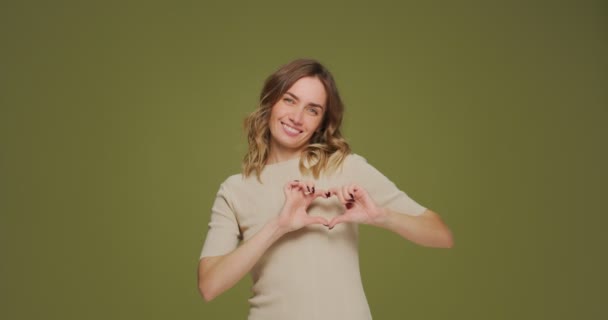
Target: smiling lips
290, 131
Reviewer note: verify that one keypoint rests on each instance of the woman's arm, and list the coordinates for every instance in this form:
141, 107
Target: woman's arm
219, 273
426, 229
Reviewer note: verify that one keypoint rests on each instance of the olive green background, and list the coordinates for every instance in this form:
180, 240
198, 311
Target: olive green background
119, 120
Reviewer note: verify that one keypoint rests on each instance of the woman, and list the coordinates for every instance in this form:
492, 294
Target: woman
296, 207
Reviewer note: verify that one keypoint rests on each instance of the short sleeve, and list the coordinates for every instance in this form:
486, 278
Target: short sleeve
223, 234
382, 190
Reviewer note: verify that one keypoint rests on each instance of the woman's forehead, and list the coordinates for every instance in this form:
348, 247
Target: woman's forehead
309, 89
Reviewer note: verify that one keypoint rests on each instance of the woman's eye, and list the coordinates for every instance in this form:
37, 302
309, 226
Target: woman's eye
288, 100
314, 111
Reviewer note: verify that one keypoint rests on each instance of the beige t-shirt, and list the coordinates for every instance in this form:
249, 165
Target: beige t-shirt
311, 273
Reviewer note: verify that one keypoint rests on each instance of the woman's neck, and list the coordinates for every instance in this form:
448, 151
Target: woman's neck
277, 157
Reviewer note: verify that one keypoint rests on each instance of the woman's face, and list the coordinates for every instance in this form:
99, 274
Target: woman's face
296, 116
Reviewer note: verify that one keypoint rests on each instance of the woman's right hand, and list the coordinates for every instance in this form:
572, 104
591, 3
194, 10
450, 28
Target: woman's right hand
298, 196
219, 273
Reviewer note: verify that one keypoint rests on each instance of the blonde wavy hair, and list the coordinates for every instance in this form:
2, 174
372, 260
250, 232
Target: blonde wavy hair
326, 150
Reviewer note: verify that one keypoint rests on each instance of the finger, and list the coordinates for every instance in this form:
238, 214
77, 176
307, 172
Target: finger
346, 194
288, 186
321, 193
336, 220
360, 194
328, 192
301, 186
309, 187
359, 191
292, 184
352, 191
349, 199
337, 192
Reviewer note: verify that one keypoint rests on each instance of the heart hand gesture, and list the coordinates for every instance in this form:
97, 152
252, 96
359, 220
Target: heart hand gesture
360, 208
298, 196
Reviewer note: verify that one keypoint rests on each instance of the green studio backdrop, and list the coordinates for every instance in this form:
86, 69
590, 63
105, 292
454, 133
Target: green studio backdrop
119, 120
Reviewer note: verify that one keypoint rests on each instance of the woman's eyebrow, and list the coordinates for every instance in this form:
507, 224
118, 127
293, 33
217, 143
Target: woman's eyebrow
311, 103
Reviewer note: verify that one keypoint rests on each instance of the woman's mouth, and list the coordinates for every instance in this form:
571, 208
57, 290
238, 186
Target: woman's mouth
291, 131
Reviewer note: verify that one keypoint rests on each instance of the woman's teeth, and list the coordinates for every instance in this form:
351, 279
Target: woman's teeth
291, 129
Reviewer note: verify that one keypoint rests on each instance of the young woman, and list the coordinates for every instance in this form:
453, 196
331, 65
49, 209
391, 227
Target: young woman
296, 207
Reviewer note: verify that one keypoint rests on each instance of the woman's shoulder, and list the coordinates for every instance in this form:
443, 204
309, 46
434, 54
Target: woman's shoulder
234, 180
351, 163
359, 165
354, 159
239, 180
231, 182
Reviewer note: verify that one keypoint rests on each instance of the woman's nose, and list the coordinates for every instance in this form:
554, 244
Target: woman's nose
297, 115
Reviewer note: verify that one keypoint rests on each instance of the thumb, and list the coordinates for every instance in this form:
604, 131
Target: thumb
337, 220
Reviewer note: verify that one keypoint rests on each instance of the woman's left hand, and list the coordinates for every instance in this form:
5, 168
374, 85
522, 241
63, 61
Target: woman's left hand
360, 208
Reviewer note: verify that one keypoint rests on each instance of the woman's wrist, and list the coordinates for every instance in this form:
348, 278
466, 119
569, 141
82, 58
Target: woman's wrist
276, 228
381, 218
